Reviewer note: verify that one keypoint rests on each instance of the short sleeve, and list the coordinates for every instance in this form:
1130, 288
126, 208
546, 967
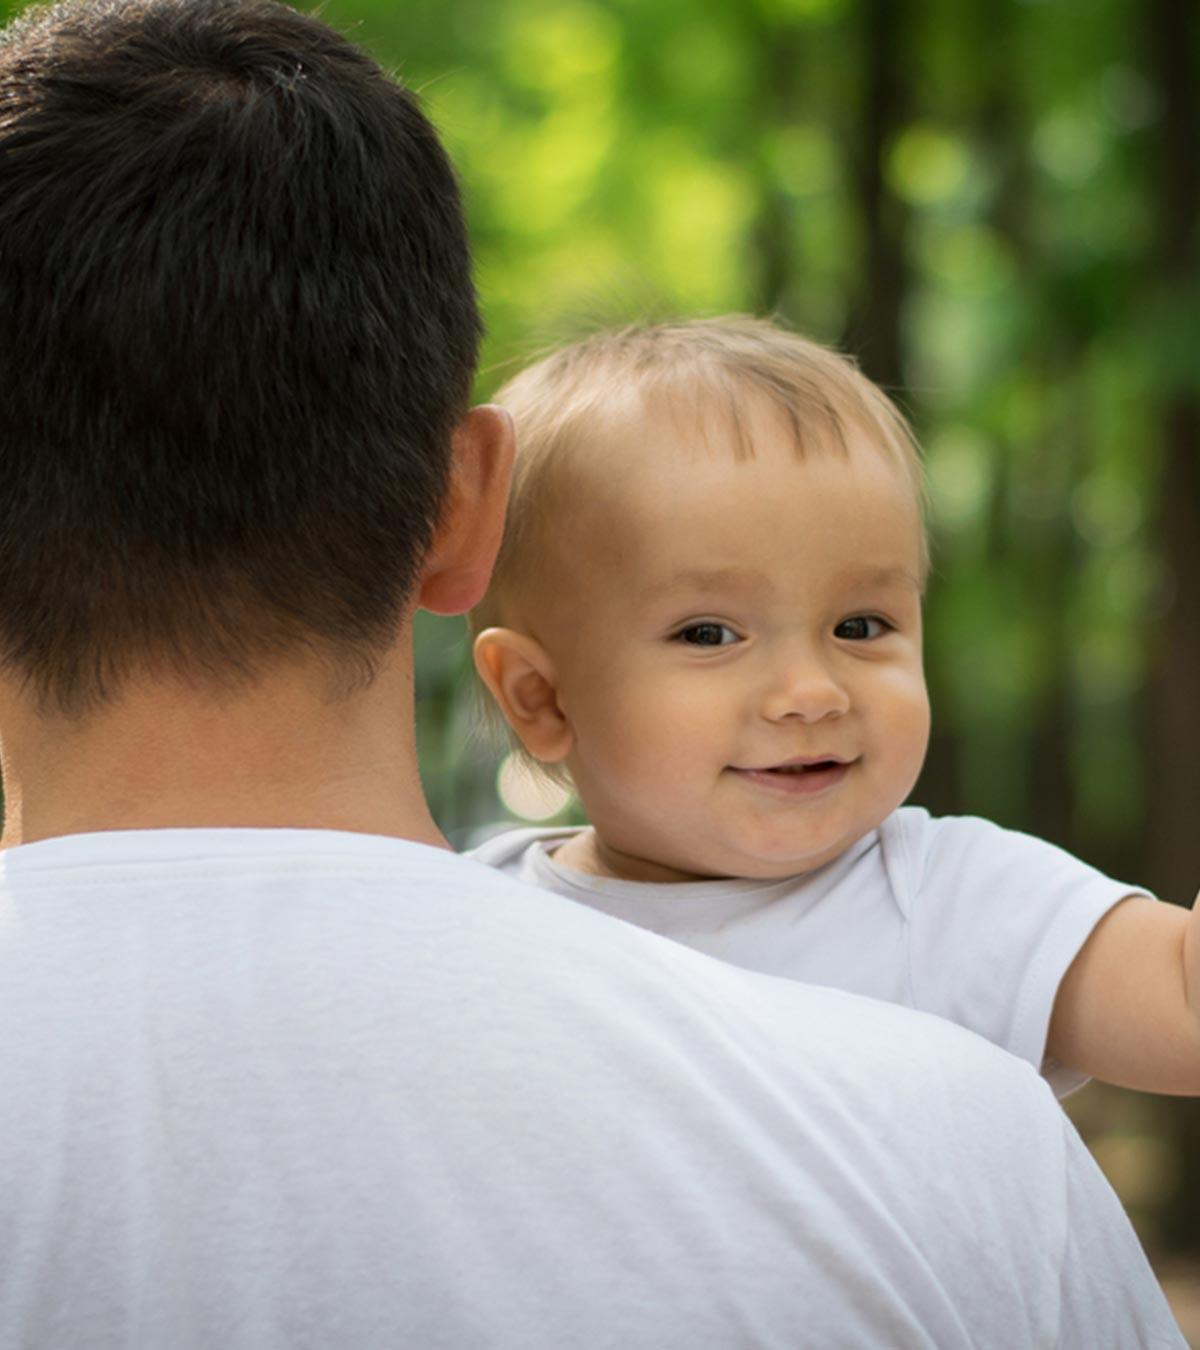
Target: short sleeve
994, 919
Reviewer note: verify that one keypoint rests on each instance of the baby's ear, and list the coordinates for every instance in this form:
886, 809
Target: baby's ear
521, 678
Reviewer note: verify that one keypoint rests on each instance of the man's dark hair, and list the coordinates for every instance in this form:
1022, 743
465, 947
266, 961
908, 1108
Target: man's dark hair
237, 327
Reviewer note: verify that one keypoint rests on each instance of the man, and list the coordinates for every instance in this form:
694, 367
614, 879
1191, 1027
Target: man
276, 1069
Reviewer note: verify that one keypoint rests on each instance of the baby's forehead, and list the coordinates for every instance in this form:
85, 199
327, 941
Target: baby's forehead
696, 519
664, 465
659, 430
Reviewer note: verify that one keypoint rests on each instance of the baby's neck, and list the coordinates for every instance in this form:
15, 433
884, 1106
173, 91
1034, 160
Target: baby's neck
587, 852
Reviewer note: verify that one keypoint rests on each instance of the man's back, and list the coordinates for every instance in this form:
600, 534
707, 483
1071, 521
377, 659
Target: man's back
268, 1088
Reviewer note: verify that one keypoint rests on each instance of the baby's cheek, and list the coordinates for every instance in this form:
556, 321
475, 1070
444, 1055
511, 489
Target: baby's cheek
919, 718
664, 730
901, 694
910, 740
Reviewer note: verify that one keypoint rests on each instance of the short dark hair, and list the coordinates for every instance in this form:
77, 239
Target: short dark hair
237, 327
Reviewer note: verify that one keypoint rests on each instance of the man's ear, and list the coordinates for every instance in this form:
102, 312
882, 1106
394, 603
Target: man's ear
460, 559
521, 678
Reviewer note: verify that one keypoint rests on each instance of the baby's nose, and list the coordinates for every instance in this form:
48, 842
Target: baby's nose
805, 688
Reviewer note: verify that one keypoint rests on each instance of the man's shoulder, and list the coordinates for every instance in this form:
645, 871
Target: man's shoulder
339, 880
112, 856
264, 893
210, 879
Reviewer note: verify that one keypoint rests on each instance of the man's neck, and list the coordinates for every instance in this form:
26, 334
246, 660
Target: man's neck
280, 755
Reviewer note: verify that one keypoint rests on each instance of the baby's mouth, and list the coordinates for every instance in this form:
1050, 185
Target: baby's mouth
815, 767
800, 776
800, 764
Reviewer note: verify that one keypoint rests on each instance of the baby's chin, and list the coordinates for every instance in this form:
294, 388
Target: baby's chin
739, 865
675, 868
774, 855
682, 860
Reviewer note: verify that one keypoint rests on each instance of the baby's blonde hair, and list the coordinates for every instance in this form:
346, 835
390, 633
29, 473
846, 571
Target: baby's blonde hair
822, 394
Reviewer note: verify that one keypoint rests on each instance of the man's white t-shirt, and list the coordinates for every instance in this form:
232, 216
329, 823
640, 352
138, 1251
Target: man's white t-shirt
953, 916
284, 1089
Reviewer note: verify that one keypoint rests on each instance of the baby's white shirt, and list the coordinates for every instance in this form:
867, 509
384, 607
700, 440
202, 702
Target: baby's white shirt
953, 916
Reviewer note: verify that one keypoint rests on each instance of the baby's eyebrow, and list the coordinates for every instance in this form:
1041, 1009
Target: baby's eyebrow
888, 576
722, 580
710, 579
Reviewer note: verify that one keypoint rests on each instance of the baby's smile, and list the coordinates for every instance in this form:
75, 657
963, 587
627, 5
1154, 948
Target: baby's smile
798, 777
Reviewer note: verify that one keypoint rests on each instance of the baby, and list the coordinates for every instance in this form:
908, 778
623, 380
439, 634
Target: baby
707, 612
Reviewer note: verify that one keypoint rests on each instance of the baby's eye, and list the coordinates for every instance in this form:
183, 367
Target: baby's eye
707, 635
862, 627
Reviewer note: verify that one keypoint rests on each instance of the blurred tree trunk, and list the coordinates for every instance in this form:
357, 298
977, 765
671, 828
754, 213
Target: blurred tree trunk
875, 330
1049, 583
779, 55
1175, 693
1174, 712
1051, 570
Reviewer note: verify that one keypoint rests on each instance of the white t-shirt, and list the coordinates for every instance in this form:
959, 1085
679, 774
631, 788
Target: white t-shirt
952, 916
284, 1089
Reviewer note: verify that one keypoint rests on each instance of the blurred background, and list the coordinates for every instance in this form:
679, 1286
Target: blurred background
993, 204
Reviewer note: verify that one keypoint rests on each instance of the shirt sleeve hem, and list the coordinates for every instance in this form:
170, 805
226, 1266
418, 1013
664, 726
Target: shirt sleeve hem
1063, 942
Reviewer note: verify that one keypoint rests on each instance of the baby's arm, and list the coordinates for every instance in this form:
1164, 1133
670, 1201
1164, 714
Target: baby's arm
1128, 1008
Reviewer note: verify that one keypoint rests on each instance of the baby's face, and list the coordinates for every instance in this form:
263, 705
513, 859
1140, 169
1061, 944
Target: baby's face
738, 646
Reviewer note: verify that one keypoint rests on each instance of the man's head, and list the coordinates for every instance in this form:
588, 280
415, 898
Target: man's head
237, 332
708, 605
